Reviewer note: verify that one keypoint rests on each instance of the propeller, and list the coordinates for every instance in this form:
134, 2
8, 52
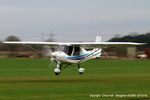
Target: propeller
46, 51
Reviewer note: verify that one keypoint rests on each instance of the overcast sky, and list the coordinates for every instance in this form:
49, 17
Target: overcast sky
73, 20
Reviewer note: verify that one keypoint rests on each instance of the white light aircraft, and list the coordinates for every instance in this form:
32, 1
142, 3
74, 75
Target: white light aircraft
69, 53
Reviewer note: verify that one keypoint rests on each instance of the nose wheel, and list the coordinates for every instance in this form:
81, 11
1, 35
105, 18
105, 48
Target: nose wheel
57, 71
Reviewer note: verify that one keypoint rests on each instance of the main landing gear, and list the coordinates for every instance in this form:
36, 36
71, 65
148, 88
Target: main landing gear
60, 68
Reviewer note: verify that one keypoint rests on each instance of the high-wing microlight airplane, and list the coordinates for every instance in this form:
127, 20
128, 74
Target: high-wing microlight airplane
69, 53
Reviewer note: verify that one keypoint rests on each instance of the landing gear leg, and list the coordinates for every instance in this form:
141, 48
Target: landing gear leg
81, 70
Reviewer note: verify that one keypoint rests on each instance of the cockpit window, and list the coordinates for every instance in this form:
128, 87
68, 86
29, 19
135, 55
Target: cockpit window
61, 48
70, 50
66, 49
76, 51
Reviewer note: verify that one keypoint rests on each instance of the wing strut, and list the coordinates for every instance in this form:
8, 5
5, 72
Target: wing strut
90, 56
33, 48
105, 53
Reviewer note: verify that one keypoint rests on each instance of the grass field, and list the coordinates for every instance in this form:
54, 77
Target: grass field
32, 79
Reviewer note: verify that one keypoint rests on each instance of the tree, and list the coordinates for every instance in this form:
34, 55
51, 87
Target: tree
134, 34
12, 38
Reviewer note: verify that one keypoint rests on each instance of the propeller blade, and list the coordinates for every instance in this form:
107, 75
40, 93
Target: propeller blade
46, 51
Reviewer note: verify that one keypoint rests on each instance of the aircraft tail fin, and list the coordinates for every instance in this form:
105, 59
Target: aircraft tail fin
98, 38
98, 53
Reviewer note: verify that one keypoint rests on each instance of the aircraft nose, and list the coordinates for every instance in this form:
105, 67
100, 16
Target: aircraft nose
53, 54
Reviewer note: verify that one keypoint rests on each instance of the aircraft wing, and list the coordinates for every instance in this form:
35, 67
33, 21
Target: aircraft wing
80, 44
51, 44
106, 44
34, 43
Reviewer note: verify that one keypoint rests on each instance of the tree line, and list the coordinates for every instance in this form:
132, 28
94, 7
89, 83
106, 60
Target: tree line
142, 38
4, 47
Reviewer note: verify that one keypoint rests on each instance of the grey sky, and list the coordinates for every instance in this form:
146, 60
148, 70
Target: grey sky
73, 20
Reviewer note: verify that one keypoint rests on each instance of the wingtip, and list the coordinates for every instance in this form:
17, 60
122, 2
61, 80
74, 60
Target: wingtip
141, 43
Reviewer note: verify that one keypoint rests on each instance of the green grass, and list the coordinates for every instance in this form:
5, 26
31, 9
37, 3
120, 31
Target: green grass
3, 54
32, 79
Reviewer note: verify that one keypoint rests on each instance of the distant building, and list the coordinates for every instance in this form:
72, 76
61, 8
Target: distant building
129, 52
